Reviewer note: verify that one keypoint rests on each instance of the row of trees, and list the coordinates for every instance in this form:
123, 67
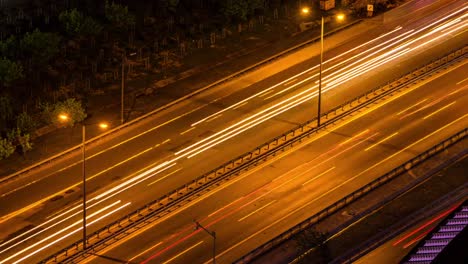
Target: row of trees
27, 61
32, 64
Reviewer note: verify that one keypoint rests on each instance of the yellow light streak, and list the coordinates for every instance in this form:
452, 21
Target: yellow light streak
218, 116
383, 140
462, 81
412, 106
188, 130
136, 256
183, 252
239, 106
355, 136
307, 204
459, 89
411, 145
440, 109
256, 210
118, 164
321, 174
165, 176
288, 83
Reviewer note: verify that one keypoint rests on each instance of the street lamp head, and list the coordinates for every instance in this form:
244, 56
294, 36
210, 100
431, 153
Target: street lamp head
305, 10
63, 117
340, 17
103, 125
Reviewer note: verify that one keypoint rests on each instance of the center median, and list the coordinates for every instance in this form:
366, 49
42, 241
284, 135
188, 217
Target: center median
189, 192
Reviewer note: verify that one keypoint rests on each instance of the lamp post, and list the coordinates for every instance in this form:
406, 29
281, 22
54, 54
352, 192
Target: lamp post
339, 17
212, 234
65, 118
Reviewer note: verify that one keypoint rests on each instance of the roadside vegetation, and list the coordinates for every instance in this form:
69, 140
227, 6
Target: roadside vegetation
54, 55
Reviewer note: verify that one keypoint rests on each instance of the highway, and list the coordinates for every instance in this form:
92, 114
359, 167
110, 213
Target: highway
265, 202
397, 248
204, 131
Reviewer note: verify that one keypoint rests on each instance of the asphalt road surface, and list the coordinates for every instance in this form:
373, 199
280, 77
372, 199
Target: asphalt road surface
139, 164
268, 200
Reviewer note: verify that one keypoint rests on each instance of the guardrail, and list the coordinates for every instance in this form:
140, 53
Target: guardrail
350, 198
192, 190
210, 86
367, 246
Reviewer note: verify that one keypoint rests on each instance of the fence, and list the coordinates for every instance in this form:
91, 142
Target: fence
194, 189
288, 234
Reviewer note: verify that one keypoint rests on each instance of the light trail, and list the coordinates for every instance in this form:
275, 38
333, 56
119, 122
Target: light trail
277, 109
332, 81
57, 233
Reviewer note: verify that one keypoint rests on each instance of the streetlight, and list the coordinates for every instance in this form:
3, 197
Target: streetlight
64, 118
212, 234
339, 17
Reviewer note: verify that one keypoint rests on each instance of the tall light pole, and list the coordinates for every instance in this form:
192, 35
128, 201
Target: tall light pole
64, 117
212, 234
339, 17
320, 76
83, 141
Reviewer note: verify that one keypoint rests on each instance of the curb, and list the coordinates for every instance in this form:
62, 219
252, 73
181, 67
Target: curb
157, 110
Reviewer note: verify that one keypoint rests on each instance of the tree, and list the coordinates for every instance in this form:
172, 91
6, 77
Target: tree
170, 5
71, 108
6, 148
118, 15
6, 111
18, 137
9, 72
8, 48
240, 10
40, 46
76, 24
26, 123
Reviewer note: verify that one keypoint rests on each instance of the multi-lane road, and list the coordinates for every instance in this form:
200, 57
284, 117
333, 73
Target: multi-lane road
143, 162
266, 201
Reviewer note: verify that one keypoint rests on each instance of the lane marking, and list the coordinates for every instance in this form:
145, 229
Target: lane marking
213, 118
408, 108
462, 80
256, 210
238, 106
188, 130
318, 175
440, 109
181, 253
355, 136
383, 140
288, 83
409, 146
459, 89
271, 96
165, 176
26, 208
307, 204
460, 33
136, 256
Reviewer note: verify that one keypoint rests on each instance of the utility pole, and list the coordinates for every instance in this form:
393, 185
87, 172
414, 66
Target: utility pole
212, 234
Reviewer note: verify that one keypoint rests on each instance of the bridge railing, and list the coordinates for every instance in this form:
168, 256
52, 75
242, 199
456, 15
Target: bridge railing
193, 189
350, 198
